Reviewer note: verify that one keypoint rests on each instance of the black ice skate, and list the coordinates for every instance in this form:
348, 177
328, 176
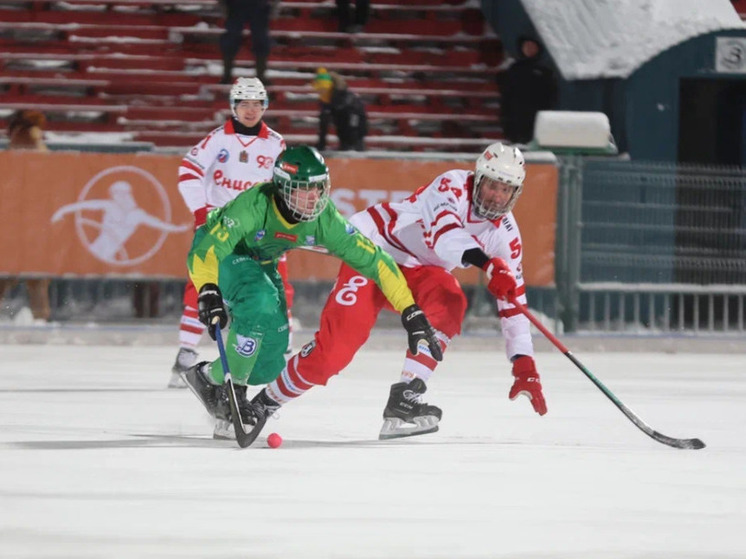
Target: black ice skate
184, 359
263, 405
224, 425
406, 415
212, 396
254, 414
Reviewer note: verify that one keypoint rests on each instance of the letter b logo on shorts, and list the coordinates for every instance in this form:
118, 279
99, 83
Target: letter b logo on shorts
245, 347
348, 294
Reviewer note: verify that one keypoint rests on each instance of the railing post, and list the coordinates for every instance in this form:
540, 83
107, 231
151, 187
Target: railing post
567, 250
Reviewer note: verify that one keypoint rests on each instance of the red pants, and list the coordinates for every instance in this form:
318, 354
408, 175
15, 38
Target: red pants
190, 292
352, 309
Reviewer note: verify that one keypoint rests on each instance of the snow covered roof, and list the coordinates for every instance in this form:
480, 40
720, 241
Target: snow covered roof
612, 38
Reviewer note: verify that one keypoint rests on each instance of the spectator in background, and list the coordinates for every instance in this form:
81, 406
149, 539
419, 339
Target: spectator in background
342, 107
237, 14
358, 20
526, 87
26, 131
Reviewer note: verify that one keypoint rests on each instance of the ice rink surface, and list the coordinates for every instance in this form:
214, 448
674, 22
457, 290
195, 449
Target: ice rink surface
99, 460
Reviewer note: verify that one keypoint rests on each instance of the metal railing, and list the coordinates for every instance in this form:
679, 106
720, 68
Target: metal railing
650, 246
664, 308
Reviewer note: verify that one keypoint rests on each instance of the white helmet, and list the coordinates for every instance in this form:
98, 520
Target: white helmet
251, 89
499, 163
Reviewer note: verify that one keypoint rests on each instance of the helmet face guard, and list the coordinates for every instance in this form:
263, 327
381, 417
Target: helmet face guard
303, 182
491, 210
248, 89
502, 164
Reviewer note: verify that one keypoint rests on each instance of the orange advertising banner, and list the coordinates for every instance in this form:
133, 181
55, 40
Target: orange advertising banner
95, 214
69, 213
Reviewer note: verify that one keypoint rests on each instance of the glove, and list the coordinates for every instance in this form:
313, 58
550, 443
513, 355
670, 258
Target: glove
527, 383
501, 280
418, 329
210, 307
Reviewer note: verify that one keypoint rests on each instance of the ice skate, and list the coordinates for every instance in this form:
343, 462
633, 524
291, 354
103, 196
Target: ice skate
211, 395
184, 359
254, 414
224, 426
224, 430
264, 406
406, 415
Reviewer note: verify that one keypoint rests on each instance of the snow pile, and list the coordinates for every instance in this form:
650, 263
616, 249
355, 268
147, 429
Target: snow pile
572, 129
608, 38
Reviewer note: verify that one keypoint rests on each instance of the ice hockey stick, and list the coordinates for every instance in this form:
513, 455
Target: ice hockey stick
695, 444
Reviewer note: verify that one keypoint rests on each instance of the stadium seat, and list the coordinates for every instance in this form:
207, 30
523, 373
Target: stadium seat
426, 71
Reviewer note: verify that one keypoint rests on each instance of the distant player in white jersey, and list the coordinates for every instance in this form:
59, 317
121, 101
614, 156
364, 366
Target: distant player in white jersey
232, 158
461, 218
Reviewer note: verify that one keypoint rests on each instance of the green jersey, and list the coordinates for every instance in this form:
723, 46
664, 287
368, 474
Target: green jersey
252, 225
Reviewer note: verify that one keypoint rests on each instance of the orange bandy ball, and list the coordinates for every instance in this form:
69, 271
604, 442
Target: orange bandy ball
274, 440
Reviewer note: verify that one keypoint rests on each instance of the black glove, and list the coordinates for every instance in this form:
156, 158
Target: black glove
418, 329
210, 306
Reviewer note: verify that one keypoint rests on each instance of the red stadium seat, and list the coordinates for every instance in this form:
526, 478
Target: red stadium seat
150, 69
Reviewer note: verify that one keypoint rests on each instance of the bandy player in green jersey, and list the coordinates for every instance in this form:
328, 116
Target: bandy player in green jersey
233, 264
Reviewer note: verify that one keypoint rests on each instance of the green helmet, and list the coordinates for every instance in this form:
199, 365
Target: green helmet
298, 171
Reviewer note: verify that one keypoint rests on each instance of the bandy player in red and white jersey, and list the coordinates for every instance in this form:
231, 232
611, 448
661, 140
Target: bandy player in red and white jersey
460, 219
232, 158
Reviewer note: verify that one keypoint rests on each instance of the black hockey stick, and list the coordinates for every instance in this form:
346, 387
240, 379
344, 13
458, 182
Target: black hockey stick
243, 438
695, 444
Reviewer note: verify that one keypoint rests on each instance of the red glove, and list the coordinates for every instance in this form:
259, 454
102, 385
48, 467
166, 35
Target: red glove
501, 280
527, 383
200, 216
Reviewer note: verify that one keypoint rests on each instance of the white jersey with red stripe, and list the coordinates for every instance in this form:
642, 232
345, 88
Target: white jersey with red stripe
225, 163
436, 225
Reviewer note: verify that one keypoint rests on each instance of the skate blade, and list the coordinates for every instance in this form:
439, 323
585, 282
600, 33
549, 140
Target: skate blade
176, 381
395, 428
223, 431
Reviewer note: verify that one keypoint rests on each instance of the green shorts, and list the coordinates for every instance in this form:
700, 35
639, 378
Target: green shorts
258, 335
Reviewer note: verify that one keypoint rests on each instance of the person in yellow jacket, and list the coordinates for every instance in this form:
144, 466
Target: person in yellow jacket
343, 108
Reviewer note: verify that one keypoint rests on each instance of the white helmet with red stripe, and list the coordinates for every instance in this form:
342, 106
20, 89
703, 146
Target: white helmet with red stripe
502, 164
251, 89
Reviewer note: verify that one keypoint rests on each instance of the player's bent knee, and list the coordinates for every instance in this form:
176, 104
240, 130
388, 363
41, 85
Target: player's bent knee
317, 366
449, 316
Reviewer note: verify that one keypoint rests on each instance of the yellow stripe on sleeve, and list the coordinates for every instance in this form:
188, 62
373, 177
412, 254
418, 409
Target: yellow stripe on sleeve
394, 286
205, 270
